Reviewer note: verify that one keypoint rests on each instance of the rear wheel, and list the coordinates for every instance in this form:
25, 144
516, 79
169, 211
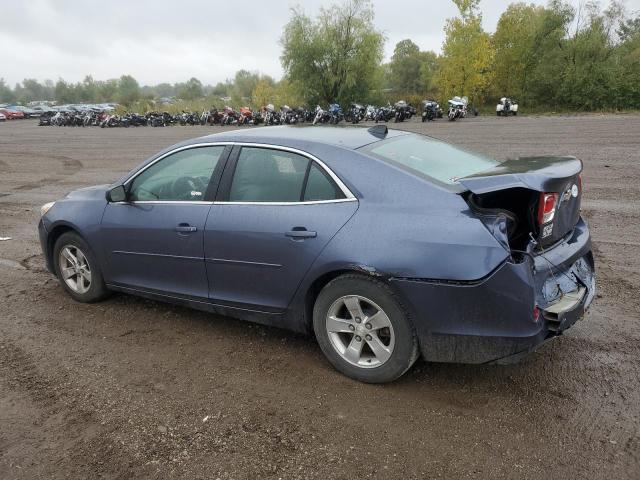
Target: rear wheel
364, 330
77, 269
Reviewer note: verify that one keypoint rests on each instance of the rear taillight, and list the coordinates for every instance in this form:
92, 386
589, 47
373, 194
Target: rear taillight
580, 184
547, 207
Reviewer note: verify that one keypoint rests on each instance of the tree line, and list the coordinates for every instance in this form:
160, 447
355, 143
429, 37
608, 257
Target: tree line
547, 57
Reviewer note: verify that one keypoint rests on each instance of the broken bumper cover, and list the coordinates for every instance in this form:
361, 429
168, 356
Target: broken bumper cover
492, 320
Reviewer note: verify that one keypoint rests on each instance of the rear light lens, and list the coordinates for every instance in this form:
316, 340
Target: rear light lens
547, 207
580, 184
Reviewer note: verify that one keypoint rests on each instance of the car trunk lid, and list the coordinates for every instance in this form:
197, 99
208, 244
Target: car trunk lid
540, 195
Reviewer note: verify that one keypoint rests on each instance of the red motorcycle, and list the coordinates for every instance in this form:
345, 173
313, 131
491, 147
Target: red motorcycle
229, 117
246, 116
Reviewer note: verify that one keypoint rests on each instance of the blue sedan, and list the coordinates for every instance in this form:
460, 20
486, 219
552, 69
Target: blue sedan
386, 245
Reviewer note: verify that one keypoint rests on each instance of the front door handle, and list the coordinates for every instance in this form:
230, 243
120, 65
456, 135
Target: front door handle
301, 232
185, 228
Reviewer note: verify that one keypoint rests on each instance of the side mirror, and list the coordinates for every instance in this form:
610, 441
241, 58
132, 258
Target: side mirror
117, 194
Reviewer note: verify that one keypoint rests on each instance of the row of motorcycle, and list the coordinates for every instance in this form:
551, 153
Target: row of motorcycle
267, 115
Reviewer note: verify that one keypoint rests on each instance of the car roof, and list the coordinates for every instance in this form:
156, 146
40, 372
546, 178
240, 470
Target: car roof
350, 137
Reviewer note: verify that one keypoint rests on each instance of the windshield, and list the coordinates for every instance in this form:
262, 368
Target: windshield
429, 158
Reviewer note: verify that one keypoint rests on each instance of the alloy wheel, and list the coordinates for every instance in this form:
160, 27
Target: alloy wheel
75, 269
360, 331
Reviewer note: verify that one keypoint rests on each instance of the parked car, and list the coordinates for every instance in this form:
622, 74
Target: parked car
385, 244
506, 106
11, 114
26, 111
3, 118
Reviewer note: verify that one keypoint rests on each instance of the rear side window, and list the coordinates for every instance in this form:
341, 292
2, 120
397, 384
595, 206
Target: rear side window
320, 186
430, 158
268, 175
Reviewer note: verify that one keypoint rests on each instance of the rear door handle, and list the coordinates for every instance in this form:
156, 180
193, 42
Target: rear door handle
301, 232
185, 228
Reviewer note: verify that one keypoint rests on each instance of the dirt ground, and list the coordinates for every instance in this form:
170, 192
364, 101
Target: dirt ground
130, 388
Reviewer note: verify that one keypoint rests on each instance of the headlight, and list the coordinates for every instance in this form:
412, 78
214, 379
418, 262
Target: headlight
46, 207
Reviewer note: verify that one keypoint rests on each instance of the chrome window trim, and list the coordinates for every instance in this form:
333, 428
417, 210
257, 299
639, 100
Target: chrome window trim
349, 197
133, 176
169, 202
308, 202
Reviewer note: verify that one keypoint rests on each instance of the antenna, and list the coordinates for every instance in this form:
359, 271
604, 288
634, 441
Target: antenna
379, 131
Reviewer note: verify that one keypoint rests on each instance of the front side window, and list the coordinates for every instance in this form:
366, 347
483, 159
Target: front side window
182, 176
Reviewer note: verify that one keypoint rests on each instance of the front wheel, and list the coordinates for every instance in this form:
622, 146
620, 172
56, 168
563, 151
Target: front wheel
364, 330
77, 269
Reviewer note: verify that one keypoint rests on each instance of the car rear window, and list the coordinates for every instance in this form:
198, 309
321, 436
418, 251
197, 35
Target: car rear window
429, 158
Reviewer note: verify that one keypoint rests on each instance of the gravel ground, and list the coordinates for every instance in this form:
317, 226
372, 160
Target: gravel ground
130, 388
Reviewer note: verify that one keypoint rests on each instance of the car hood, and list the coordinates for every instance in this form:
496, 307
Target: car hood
542, 174
97, 191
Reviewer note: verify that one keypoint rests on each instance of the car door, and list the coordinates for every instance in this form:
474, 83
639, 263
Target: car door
154, 240
275, 211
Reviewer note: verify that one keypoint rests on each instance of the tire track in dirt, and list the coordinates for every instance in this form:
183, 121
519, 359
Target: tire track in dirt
70, 166
86, 446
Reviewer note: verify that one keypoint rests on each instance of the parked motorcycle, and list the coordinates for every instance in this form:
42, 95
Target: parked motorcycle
321, 116
384, 114
355, 113
430, 110
506, 107
229, 117
271, 117
45, 119
370, 113
288, 116
335, 113
402, 112
457, 108
246, 116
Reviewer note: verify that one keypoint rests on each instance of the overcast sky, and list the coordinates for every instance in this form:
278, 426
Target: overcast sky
170, 41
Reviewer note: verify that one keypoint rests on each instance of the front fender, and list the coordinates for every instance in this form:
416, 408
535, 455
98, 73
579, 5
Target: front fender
81, 213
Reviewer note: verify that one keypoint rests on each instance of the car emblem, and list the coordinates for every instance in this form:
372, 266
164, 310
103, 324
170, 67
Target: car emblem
574, 191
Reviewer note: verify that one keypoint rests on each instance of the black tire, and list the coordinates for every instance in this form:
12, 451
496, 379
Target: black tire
405, 351
97, 290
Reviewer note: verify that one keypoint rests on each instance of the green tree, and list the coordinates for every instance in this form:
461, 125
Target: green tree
263, 94
244, 82
6, 94
626, 75
191, 90
88, 90
164, 90
333, 57
107, 90
411, 70
467, 54
128, 90
65, 92
515, 47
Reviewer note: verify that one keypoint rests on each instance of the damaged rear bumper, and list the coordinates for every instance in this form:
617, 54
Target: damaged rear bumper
493, 319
